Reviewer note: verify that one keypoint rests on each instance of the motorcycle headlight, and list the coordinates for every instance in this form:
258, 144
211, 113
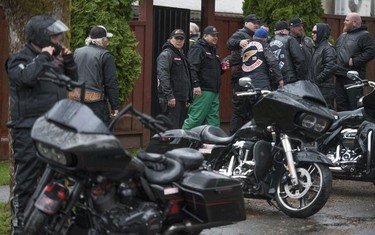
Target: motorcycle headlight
312, 122
52, 153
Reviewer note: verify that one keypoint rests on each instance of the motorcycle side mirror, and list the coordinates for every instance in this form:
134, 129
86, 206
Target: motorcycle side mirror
353, 75
245, 82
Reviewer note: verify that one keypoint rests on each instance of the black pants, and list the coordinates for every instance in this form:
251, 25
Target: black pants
241, 109
28, 169
177, 114
101, 110
346, 99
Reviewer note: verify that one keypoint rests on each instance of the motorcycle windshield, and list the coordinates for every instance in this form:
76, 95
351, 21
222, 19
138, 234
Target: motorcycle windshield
77, 116
306, 90
369, 104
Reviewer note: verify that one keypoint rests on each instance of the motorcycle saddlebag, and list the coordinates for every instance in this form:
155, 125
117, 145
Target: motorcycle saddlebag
213, 197
172, 139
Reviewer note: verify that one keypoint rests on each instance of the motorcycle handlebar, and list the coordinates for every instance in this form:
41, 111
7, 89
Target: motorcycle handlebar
145, 119
361, 83
252, 93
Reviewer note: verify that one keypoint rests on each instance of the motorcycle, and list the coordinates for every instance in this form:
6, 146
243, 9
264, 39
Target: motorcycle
349, 143
271, 154
92, 185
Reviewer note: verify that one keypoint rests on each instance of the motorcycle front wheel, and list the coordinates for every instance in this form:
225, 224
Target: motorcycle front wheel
310, 195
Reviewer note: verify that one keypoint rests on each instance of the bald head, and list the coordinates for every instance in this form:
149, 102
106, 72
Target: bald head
352, 21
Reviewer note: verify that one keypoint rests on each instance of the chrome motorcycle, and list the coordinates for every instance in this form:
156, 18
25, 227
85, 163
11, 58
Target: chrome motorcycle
92, 185
349, 143
270, 155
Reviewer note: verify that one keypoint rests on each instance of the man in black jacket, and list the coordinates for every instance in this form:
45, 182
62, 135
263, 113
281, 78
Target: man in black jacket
355, 48
174, 82
240, 107
306, 44
292, 61
32, 93
206, 72
324, 63
97, 68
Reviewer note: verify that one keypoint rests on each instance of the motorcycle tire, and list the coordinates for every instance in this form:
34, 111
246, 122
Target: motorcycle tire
35, 224
307, 198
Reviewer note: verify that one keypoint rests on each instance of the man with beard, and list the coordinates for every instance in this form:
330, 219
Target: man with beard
355, 48
324, 62
306, 43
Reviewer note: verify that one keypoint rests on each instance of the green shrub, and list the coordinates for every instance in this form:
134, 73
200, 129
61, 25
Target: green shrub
114, 15
271, 11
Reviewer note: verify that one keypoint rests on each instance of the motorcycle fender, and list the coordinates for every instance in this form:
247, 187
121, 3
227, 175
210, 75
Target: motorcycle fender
311, 156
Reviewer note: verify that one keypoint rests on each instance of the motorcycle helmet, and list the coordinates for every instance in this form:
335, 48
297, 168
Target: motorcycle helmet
39, 29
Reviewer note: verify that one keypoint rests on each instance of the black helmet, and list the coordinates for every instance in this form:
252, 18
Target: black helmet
39, 29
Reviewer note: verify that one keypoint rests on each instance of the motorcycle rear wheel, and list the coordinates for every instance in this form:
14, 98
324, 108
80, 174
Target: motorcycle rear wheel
307, 198
35, 224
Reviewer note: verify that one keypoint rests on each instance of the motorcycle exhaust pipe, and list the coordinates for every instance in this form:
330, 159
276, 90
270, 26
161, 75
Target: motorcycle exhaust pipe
337, 169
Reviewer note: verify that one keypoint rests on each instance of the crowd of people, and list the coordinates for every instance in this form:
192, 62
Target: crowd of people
188, 85
290, 55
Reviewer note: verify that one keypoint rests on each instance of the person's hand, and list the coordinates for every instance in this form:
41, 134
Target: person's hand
49, 49
65, 51
172, 103
114, 113
197, 91
350, 62
244, 43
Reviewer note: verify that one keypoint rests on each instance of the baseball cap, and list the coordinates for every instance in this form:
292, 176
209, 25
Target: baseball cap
210, 30
295, 22
178, 33
100, 32
281, 25
252, 18
261, 33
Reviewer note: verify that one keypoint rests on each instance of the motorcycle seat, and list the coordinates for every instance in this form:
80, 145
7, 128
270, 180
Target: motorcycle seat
190, 158
160, 169
215, 135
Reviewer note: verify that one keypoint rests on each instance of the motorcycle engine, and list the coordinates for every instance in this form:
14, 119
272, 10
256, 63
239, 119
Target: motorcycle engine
119, 212
348, 138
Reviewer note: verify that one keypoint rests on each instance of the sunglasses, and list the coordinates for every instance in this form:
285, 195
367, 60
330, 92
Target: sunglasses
314, 32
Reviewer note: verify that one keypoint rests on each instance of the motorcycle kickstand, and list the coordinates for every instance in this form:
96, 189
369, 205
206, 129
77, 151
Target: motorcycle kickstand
271, 203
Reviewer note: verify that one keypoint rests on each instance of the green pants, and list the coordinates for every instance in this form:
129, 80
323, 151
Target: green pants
203, 110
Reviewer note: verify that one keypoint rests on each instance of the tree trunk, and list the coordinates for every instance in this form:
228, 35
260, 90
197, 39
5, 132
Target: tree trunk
17, 13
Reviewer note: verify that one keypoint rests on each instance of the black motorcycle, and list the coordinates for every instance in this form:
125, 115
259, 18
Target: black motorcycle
270, 155
92, 185
350, 140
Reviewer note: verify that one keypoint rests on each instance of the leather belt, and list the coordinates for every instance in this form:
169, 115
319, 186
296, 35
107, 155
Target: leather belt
90, 96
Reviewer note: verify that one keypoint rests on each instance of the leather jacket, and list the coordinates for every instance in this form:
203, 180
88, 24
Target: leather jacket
324, 59
32, 91
294, 66
358, 45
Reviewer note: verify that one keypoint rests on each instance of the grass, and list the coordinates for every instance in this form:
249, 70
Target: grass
4, 219
4, 172
4, 207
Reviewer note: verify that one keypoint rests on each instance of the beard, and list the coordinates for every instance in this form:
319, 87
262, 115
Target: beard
347, 28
